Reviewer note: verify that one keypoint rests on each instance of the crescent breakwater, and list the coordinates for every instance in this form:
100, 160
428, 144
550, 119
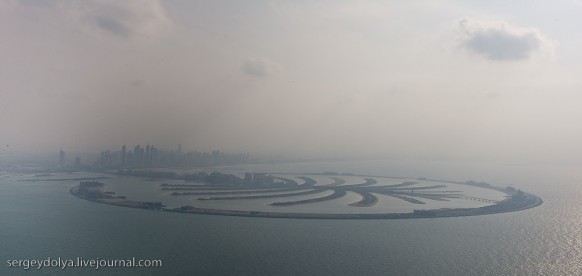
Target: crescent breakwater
516, 200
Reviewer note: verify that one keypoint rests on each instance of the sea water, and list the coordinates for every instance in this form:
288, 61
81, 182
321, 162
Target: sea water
42, 219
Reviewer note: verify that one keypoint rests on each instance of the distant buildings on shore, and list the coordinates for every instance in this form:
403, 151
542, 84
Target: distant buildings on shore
152, 157
214, 178
259, 179
61, 158
251, 179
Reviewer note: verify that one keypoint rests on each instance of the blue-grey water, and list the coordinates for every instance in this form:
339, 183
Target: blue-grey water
41, 219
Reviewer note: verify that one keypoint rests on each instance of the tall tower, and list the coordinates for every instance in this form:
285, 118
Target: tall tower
123, 155
61, 158
148, 155
179, 147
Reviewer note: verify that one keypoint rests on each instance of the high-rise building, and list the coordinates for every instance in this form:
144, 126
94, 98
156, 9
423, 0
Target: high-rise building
147, 155
123, 156
61, 158
150, 156
248, 178
138, 155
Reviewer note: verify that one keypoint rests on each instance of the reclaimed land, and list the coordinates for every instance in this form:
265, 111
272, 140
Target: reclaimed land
66, 179
369, 182
103, 197
336, 181
264, 191
368, 199
309, 182
302, 193
511, 204
337, 193
517, 202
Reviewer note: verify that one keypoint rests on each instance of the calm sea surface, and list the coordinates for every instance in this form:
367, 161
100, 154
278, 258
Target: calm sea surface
41, 220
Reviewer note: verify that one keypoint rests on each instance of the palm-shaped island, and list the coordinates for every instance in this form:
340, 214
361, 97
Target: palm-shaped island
284, 189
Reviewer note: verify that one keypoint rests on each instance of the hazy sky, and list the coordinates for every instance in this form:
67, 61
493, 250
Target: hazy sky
460, 80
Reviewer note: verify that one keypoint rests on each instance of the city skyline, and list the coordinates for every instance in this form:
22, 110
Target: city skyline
149, 156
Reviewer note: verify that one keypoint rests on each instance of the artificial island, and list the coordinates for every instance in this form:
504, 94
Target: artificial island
283, 190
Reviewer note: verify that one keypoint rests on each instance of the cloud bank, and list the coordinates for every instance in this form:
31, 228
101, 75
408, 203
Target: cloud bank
500, 41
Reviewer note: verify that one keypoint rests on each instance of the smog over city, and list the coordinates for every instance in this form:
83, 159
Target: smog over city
363, 135
330, 79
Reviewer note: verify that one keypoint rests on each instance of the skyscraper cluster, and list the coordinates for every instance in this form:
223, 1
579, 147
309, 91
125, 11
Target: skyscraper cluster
150, 156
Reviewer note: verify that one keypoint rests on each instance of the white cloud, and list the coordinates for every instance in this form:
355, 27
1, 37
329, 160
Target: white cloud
259, 67
500, 41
